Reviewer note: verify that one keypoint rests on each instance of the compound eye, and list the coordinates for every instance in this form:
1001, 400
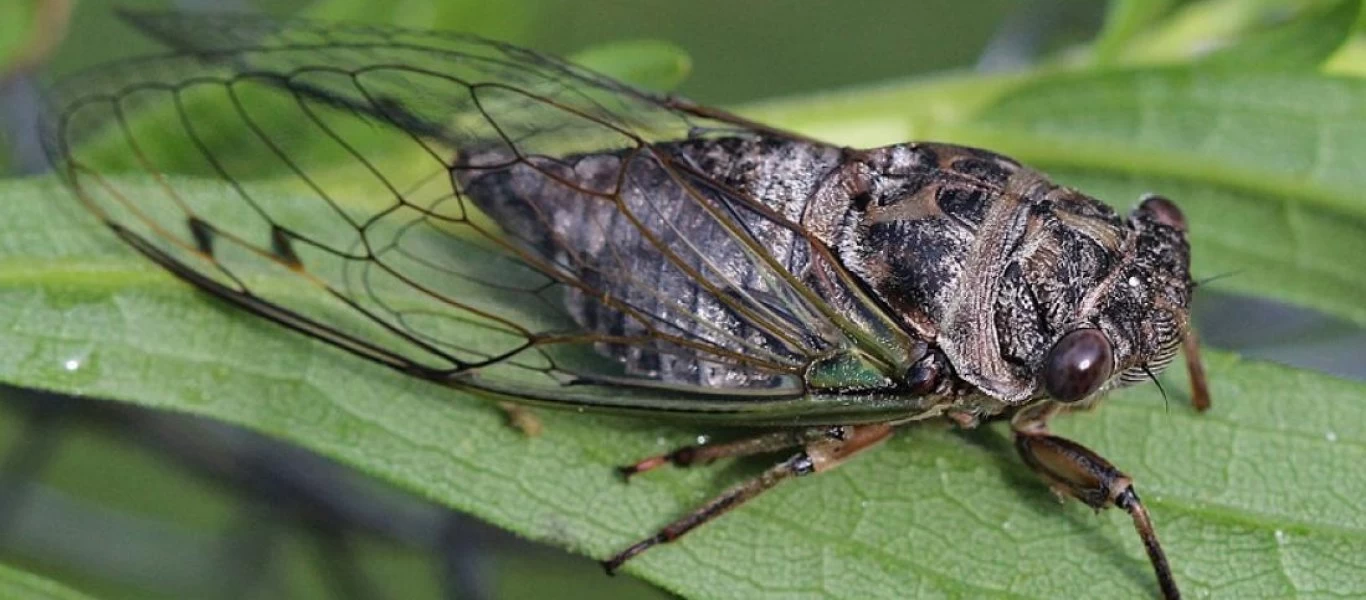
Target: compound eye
1165, 210
1077, 365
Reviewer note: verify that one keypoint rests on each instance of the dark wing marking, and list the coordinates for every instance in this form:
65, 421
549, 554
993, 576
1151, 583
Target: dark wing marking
349, 152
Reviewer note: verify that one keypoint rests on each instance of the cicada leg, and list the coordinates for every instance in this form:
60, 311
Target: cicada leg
701, 454
1190, 345
521, 418
825, 448
1074, 470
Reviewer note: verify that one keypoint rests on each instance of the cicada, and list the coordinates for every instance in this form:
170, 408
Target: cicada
495, 220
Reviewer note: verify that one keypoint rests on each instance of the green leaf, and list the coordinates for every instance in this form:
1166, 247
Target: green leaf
651, 64
1297, 44
508, 20
1350, 59
1125, 19
1195, 29
15, 31
926, 109
20, 584
99, 471
16, 22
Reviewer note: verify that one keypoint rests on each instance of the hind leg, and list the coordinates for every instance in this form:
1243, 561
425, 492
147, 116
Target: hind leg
824, 449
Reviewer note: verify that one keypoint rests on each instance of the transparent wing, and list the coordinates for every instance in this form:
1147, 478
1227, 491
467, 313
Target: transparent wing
403, 195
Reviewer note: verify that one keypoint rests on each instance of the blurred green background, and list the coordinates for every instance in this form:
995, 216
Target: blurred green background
740, 50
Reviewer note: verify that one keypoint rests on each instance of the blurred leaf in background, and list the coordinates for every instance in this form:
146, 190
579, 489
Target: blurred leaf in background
18, 51
1125, 19
649, 64
19, 584
1301, 43
1265, 32
14, 30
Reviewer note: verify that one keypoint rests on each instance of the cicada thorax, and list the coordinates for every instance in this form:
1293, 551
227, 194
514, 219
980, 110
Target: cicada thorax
986, 258
993, 263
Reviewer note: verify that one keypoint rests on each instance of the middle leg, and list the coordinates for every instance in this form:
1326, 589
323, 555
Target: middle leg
701, 454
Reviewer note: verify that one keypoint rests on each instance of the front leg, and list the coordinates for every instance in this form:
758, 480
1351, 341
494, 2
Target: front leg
1073, 470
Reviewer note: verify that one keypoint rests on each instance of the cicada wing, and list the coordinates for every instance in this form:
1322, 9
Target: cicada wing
224, 36
384, 149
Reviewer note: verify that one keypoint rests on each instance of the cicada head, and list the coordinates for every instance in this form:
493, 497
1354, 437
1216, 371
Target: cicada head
1130, 326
